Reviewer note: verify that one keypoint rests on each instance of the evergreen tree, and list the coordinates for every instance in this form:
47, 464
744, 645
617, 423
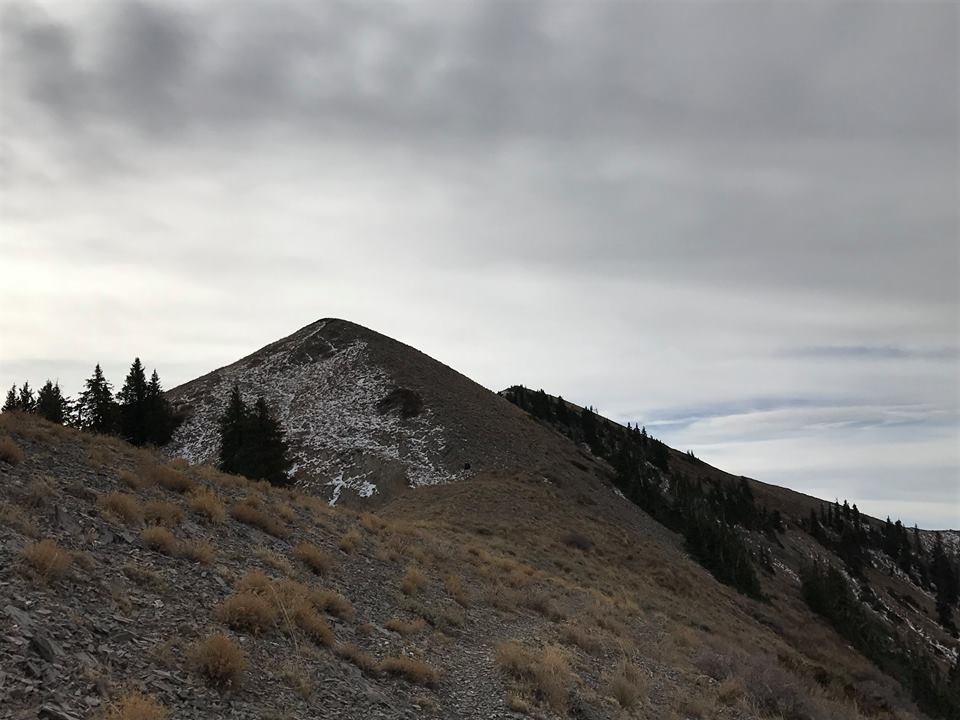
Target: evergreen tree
252, 443
96, 410
133, 405
233, 424
25, 400
11, 404
51, 404
160, 418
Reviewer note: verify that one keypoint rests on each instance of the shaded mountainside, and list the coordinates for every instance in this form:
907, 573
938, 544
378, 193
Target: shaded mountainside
366, 415
129, 583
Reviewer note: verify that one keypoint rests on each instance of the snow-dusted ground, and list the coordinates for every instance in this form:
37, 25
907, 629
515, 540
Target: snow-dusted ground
326, 398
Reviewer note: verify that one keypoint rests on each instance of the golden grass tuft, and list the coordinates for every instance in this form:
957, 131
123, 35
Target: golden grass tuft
350, 540
207, 504
247, 611
456, 590
16, 519
167, 477
121, 506
371, 523
10, 452
589, 642
37, 493
413, 581
219, 660
136, 706
160, 512
353, 654
334, 604
160, 539
250, 511
313, 626
132, 480
315, 558
548, 671
278, 562
410, 669
255, 581
627, 685
198, 551
47, 560
406, 628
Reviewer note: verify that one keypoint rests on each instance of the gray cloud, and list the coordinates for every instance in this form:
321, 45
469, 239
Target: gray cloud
737, 219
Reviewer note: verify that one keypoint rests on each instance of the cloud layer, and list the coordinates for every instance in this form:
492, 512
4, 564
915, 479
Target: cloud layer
734, 222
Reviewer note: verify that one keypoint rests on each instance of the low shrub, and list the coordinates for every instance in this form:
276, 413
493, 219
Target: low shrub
206, 503
413, 581
548, 672
456, 590
167, 477
160, 512
122, 506
198, 551
132, 480
47, 560
353, 654
313, 626
578, 541
37, 493
334, 604
249, 511
350, 540
411, 669
255, 581
160, 539
10, 452
589, 642
247, 611
404, 627
136, 706
628, 684
219, 660
315, 558
16, 519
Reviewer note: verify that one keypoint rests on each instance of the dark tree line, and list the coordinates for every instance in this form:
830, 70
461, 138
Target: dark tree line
707, 514
829, 594
842, 529
138, 413
252, 442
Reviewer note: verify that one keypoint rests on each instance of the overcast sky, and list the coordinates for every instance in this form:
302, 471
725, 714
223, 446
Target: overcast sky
734, 222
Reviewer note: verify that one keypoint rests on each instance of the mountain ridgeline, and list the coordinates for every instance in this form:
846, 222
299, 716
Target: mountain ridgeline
736, 537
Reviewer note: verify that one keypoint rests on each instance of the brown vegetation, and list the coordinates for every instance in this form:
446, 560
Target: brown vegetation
411, 669
160, 512
219, 659
247, 611
315, 627
122, 506
136, 706
358, 657
250, 511
47, 560
16, 519
333, 603
548, 671
206, 503
350, 540
404, 627
628, 684
199, 551
167, 477
413, 581
10, 452
315, 558
160, 539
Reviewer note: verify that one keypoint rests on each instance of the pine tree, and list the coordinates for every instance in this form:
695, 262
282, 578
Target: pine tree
96, 410
233, 424
25, 400
51, 404
133, 405
270, 460
11, 404
160, 418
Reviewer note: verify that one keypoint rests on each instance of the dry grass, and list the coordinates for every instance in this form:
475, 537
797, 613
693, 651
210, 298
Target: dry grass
10, 452
132, 480
413, 581
315, 558
47, 560
160, 512
334, 604
37, 493
16, 519
160, 539
250, 511
406, 628
275, 560
627, 685
371, 523
589, 642
198, 551
456, 590
167, 477
255, 581
207, 504
247, 611
313, 626
350, 540
121, 506
410, 669
143, 576
548, 672
353, 654
136, 706
219, 660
